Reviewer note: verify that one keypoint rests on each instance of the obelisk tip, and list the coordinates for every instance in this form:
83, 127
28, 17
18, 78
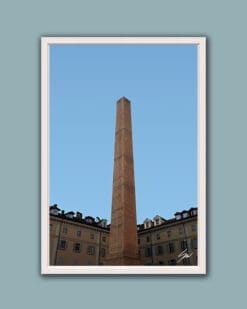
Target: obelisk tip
123, 99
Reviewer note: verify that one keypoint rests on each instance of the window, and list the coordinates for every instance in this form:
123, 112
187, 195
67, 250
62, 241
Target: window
148, 251
185, 215
147, 223
60, 260
63, 244
102, 252
193, 228
78, 233
90, 250
148, 239
184, 244
54, 211
194, 212
180, 231
186, 261
158, 236
159, 250
50, 227
103, 238
138, 241
172, 262
91, 235
195, 243
77, 247
169, 233
70, 215
103, 223
89, 220
178, 216
157, 221
78, 215
65, 230
170, 247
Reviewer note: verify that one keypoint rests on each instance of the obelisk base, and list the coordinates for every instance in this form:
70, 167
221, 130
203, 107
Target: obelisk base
123, 260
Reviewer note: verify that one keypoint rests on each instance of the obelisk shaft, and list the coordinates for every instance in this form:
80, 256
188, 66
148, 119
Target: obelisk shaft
123, 247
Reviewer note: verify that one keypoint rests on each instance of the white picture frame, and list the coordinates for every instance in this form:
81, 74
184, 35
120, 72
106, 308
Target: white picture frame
200, 269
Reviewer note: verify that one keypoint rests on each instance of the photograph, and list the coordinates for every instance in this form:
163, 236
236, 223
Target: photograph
123, 155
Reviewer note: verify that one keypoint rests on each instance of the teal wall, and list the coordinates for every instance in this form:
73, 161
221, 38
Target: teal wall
22, 23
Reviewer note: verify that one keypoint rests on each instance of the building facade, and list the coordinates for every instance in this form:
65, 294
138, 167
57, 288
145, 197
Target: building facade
78, 240
75, 240
161, 242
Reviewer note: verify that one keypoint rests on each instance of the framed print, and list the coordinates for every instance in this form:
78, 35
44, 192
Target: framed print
123, 155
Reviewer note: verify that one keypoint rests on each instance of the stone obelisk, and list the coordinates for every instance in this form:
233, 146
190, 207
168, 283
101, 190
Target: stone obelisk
123, 246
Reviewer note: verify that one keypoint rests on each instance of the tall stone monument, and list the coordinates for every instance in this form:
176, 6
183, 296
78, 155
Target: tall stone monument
123, 246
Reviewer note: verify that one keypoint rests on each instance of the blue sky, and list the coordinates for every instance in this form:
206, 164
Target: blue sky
161, 83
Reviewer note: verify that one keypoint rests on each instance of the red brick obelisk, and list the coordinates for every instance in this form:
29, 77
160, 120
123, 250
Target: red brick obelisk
123, 247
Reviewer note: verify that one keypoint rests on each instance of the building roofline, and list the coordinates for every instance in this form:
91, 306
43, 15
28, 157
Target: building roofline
168, 223
79, 221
